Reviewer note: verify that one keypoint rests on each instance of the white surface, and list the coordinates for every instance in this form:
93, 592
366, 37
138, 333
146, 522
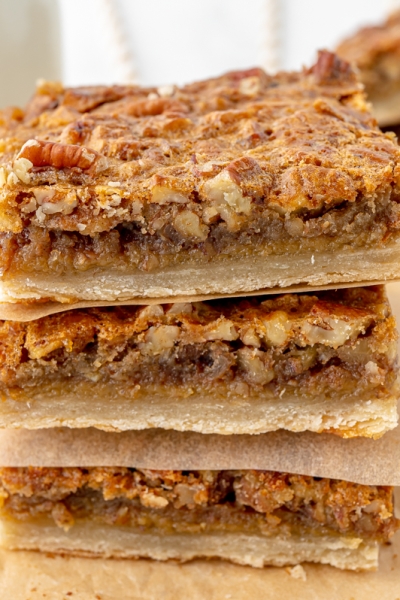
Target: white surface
166, 40
174, 40
184, 40
29, 47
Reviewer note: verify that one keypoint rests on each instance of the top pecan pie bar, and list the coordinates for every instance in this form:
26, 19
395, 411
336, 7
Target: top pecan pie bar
243, 182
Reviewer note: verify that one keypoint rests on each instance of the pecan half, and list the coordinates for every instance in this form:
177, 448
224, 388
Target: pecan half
60, 156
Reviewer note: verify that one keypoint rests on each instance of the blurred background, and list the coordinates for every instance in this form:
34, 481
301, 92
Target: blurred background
165, 41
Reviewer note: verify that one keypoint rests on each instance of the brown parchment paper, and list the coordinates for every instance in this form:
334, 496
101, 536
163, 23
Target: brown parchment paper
35, 310
34, 576
361, 460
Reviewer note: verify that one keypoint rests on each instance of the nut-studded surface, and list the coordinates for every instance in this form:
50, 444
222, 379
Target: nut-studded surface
198, 501
246, 163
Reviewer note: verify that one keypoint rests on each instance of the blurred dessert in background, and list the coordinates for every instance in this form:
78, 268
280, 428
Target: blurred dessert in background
375, 50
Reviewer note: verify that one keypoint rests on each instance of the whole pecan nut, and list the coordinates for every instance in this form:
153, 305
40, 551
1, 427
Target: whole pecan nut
60, 156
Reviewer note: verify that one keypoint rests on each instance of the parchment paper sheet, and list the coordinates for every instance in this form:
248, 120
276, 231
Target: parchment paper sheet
33, 576
372, 462
36, 310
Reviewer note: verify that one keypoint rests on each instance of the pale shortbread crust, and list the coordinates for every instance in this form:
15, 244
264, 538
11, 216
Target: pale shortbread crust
225, 277
85, 404
89, 539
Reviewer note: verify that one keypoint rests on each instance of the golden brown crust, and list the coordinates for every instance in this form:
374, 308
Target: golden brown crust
177, 500
345, 339
234, 162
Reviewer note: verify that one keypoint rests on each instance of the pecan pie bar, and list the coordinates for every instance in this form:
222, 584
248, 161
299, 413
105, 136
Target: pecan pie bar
325, 362
234, 184
376, 52
249, 517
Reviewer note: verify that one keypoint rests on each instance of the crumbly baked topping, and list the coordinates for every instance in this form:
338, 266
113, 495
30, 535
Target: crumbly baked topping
325, 338
123, 496
243, 158
375, 50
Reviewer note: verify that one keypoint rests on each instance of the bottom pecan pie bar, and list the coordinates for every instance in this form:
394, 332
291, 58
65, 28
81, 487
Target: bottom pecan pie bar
324, 362
249, 517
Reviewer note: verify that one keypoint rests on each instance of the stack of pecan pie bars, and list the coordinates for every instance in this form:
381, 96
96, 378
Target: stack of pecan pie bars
177, 258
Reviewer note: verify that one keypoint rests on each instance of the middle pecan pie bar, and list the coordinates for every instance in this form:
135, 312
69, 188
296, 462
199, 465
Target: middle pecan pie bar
319, 362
